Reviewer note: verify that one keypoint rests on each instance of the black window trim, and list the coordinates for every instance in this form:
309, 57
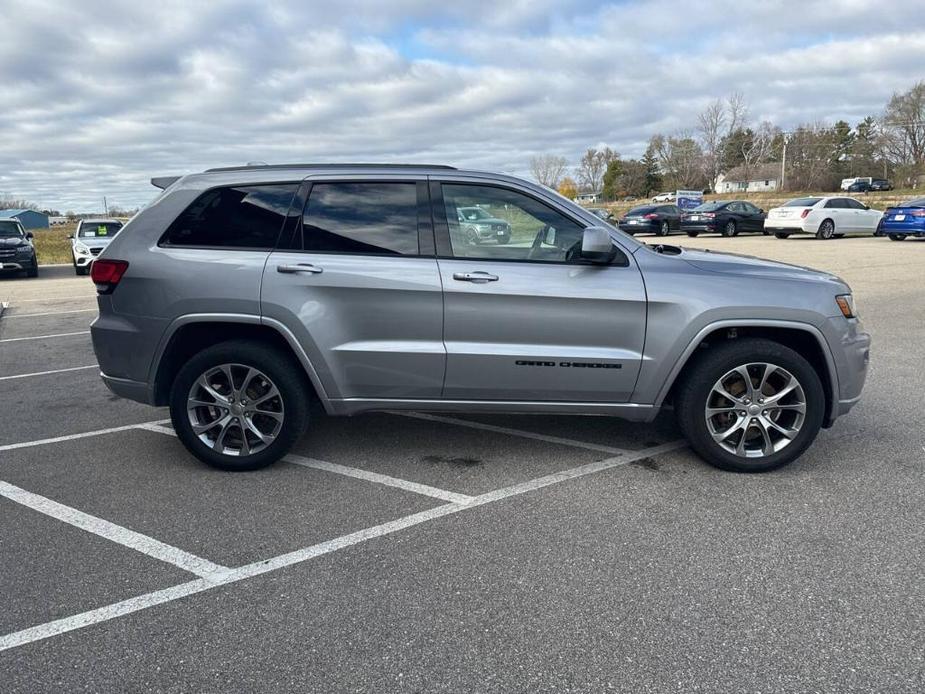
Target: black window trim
424, 221
163, 243
442, 229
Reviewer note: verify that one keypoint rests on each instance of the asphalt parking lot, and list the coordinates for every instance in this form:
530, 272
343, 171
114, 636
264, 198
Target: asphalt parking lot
446, 554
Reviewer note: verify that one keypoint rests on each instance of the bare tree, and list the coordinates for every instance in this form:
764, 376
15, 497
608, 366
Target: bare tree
904, 131
592, 166
680, 158
711, 124
737, 110
756, 148
548, 169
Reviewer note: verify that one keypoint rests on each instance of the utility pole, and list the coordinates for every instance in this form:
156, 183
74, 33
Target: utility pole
105, 206
783, 164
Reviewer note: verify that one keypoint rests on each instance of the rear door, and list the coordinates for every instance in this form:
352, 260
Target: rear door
356, 280
527, 319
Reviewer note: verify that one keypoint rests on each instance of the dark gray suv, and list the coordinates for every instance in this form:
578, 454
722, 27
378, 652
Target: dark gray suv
241, 294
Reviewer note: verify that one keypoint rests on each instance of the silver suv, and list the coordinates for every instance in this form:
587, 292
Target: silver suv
241, 294
89, 240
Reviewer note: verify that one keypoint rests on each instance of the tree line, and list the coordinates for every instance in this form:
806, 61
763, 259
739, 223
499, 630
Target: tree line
811, 156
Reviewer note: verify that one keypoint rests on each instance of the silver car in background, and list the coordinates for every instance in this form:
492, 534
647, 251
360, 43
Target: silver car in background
89, 240
241, 294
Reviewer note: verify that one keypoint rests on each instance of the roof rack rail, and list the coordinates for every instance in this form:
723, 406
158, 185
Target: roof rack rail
330, 166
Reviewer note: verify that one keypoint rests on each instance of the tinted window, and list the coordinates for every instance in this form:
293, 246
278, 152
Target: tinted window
362, 218
801, 202
709, 206
749, 208
853, 204
517, 227
91, 230
639, 211
836, 204
241, 217
735, 207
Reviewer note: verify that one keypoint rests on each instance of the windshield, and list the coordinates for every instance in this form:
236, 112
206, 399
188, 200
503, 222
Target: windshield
801, 202
10, 230
709, 206
94, 230
474, 213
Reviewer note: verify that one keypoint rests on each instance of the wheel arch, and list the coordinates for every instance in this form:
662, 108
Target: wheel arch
190, 334
804, 338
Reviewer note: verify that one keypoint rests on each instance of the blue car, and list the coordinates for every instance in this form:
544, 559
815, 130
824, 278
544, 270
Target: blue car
905, 220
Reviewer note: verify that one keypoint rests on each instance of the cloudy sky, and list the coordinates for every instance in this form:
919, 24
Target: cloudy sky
98, 96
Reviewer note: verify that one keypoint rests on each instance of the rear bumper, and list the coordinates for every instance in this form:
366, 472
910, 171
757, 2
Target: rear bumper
645, 228
851, 352
128, 389
699, 227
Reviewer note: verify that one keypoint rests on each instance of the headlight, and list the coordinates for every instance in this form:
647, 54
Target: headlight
80, 248
846, 304
24, 250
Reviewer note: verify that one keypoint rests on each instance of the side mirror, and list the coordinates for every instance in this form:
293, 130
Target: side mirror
761, 210
866, 207
596, 245
30, 235
71, 236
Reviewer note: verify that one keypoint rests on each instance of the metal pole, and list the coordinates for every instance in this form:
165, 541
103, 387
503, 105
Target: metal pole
783, 165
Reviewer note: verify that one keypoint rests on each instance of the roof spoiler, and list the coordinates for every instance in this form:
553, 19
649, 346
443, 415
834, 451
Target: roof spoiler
163, 182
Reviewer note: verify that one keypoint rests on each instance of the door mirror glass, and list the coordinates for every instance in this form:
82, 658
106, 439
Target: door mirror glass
30, 235
550, 237
596, 245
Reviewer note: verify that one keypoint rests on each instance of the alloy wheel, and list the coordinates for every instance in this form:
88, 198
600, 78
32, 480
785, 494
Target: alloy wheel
235, 410
755, 410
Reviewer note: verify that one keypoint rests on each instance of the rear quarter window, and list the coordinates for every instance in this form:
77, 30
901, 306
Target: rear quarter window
233, 217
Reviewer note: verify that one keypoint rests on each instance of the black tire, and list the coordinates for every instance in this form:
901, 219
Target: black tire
781, 235
838, 236
34, 270
281, 368
81, 270
664, 229
765, 232
826, 230
702, 372
693, 234
897, 237
504, 240
729, 229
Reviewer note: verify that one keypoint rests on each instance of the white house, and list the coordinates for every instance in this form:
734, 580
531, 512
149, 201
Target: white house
588, 198
758, 178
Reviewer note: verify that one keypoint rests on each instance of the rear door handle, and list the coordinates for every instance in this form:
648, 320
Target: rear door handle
300, 267
477, 276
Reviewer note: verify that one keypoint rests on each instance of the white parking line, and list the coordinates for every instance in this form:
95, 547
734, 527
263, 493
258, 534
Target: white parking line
142, 602
47, 373
44, 337
62, 297
49, 313
83, 435
407, 485
514, 432
110, 531
356, 473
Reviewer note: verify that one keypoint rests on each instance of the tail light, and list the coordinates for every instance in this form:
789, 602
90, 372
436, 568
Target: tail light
650, 216
918, 212
708, 215
106, 274
804, 213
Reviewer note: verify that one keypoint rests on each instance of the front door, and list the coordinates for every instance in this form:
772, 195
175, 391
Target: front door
524, 317
361, 294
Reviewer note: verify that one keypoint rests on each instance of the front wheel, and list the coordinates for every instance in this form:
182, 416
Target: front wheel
781, 235
750, 405
504, 239
897, 237
239, 405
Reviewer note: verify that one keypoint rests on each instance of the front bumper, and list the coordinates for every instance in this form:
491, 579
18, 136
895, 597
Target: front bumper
14, 264
81, 260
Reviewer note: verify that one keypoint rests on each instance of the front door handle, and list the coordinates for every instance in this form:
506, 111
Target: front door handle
477, 276
300, 267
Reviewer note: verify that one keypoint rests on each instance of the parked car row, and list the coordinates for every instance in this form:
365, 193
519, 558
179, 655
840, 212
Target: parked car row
825, 217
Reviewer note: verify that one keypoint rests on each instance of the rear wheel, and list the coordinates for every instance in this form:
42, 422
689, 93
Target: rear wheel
750, 405
239, 405
781, 235
897, 237
826, 230
664, 229
730, 229
692, 233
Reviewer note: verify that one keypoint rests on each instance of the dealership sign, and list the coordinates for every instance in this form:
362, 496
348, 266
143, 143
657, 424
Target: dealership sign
689, 199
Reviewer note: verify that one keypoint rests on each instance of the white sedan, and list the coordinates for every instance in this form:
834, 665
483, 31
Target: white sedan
826, 218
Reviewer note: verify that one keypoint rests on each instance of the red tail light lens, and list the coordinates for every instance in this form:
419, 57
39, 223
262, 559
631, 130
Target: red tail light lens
650, 216
804, 213
106, 274
918, 212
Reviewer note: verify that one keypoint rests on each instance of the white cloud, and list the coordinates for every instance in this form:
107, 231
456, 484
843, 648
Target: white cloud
100, 96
